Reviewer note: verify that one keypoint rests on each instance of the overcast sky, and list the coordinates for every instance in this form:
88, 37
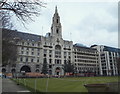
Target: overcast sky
87, 23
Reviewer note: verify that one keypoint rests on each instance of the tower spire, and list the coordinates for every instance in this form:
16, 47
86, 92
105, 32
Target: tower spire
56, 9
56, 27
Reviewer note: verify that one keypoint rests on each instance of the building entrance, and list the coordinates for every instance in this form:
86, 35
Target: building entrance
25, 69
57, 71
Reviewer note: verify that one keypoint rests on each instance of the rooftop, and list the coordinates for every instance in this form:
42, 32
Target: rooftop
6, 33
83, 46
111, 49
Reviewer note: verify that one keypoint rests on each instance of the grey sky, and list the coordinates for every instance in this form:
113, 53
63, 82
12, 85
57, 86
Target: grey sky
87, 23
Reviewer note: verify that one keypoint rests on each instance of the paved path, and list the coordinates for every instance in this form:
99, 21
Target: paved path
10, 86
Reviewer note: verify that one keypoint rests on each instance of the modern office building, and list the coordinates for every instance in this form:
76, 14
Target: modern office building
85, 60
108, 59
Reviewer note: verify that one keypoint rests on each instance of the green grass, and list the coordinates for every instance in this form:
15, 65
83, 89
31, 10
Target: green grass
64, 84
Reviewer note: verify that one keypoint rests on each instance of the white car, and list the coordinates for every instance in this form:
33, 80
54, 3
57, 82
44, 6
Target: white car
1, 75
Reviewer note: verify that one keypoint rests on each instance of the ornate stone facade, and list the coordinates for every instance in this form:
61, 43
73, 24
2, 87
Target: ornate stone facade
32, 49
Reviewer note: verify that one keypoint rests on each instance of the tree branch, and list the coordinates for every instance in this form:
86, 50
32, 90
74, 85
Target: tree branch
23, 9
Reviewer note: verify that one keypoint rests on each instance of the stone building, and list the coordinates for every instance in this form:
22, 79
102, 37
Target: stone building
33, 49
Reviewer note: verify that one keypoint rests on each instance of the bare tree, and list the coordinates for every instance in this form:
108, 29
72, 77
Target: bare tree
9, 48
24, 10
5, 20
9, 52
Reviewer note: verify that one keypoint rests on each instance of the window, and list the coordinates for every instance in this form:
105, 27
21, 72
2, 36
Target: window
65, 61
50, 61
51, 44
26, 59
27, 48
32, 49
28, 43
50, 51
38, 54
22, 52
45, 50
64, 56
37, 66
37, 70
69, 57
32, 60
75, 60
69, 61
22, 48
68, 53
38, 44
32, 44
57, 20
65, 53
57, 54
32, 53
50, 66
60, 61
50, 55
57, 30
21, 59
27, 52
58, 51
45, 43
44, 55
57, 61
110, 60
38, 49
38, 60
22, 43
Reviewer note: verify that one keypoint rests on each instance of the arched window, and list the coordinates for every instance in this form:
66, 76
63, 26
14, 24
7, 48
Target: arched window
57, 68
57, 47
57, 20
57, 51
13, 70
25, 68
3, 70
37, 70
57, 30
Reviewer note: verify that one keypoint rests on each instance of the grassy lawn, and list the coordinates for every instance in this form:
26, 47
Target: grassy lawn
64, 84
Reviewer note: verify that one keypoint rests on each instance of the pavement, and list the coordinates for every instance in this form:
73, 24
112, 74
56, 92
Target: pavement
10, 87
